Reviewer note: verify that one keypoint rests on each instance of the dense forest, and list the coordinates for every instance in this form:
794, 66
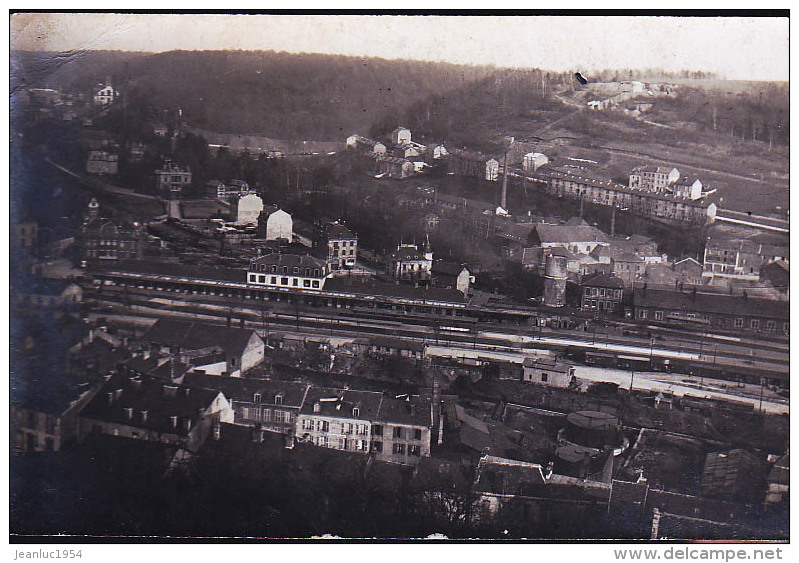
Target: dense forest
327, 97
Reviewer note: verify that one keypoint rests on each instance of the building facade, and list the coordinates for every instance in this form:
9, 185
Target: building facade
601, 292
102, 163
275, 224
342, 246
171, 180
547, 371
288, 271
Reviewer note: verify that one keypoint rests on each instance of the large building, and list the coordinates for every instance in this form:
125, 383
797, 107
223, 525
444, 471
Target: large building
342, 246
533, 161
712, 311
146, 408
272, 405
102, 163
103, 239
601, 292
665, 181
740, 259
275, 224
408, 264
663, 207
248, 209
401, 430
474, 164
172, 179
577, 239
339, 419
237, 349
289, 271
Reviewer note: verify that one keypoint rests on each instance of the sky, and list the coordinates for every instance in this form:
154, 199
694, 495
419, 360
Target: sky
735, 47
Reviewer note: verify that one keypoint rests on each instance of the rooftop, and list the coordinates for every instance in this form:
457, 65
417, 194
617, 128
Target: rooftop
289, 261
244, 389
123, 399
569, 233
711, 303
341, 403
397, 343
193, 335
410, 410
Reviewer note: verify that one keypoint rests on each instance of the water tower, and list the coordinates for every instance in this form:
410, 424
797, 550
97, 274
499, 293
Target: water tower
555, 281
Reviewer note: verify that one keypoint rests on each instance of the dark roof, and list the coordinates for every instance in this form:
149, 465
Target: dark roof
711, 303
397, 343
336, 231
602, 280
447, 267
407, 253
290, 261
192, 335
244, 389
508, 476
730, 473
177, 270
593, 420
341, 402
402, 291
568, 233
546, 363
159, 399
412, 410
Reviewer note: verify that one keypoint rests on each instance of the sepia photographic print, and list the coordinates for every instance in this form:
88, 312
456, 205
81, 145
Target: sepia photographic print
400, 276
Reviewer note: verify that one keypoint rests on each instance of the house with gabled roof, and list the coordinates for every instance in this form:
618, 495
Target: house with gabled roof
140, 407
241, 348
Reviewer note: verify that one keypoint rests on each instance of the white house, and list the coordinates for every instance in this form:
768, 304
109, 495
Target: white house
492, 170
547, 371
439, 151
379, 148
401, 136
249, 208
533, 161
275, 224
105, 95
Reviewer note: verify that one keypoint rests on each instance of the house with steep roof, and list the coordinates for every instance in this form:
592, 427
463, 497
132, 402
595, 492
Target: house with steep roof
401, 430
407, 263
275, 224
271, 405
339, 419
580, 239
451, 274
238, 349
146, 408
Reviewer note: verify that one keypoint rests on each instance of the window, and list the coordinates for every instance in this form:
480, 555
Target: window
315, 284
252, 278
658, 315
755, 324
356, 412
399, 449
274, 280
785, 327
544, 376
278, 399
256, 398
306, 283
377, 447
295, 282
739, 323
417, 434
285, 269
397, 432
307, 424
641, 313
377, 430
414, 451
284, 281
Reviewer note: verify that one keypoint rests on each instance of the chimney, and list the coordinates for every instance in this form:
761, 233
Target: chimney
128, 413
144, 416
174, 421
110, 398
217, 429
435, 413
